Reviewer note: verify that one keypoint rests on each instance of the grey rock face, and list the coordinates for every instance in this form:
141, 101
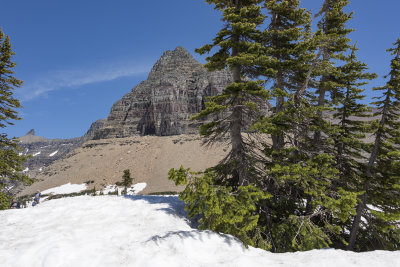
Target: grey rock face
31, 132
44, 151
174, 91
94, 128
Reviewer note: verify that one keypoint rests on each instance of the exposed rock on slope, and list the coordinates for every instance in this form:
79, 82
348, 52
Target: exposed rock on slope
44, 151
162, 105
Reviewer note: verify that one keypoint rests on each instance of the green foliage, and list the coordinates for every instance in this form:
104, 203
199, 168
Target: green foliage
221, 208
305, 212
380, 204
239, 49
313, 183
127, 181
5, 201
10, 160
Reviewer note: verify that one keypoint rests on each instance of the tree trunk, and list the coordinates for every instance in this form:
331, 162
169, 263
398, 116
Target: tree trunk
239, 168
372, 159
278, 141
321, 100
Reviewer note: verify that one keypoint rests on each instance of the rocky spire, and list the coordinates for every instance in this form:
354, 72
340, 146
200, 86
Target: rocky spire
174, 63
31, 132
175, 91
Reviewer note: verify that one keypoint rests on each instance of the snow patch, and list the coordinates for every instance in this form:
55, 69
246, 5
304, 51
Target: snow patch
26, 169
37, 153
133, 190
65, 189
137, 188
52, 154
371, 207
142, 231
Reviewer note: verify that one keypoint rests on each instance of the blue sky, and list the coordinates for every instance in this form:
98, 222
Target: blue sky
77, 57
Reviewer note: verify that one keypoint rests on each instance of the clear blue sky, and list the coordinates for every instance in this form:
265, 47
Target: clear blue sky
78, 57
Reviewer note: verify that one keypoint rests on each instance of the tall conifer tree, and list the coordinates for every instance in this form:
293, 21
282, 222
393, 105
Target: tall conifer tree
238, 107
10, 160
288, 40
380, 203
224, 196
351, 116
305, 208
334, 33
350, 127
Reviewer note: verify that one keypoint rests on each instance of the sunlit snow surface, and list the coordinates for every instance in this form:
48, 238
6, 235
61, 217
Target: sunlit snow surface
52, 154
140, 231
133, 190
65, 189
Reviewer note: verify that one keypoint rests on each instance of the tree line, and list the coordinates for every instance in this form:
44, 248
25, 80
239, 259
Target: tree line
310, 164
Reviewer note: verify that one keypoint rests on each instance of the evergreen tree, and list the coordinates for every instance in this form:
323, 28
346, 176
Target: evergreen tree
10, 160
333, 31
288, 40
351, 126
224, 196
350, 148
127, 180
379, 205
238, 107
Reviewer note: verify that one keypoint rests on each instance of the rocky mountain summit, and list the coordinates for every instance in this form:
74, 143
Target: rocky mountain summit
174, 91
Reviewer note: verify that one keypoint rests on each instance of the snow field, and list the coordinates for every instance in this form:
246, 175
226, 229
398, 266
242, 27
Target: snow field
65, 189
141, 231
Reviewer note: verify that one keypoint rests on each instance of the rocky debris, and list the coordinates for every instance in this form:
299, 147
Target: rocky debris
44, 151
175, 90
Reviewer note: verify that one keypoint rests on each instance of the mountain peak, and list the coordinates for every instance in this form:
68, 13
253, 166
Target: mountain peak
31, 132
178, 61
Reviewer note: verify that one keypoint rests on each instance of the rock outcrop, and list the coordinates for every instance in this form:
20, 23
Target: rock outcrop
44, 151
174, 91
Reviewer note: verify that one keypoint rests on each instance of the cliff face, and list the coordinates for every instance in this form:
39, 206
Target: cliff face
174, 91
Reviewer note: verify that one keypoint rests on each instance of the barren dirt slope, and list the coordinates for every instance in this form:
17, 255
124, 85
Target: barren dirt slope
147, 157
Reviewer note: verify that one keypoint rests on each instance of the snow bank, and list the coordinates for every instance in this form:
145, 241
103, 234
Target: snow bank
133, 190
52, 154
65, 189
140, 231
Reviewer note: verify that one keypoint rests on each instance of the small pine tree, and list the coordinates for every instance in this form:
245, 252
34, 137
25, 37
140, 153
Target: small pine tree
127, 180
10, 160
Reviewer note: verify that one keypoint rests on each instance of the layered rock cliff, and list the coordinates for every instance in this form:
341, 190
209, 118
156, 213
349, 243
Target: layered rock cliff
174, 91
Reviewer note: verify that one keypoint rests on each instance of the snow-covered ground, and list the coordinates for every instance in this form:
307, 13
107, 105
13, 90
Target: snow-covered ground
141, 231
65, 189
133, 190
